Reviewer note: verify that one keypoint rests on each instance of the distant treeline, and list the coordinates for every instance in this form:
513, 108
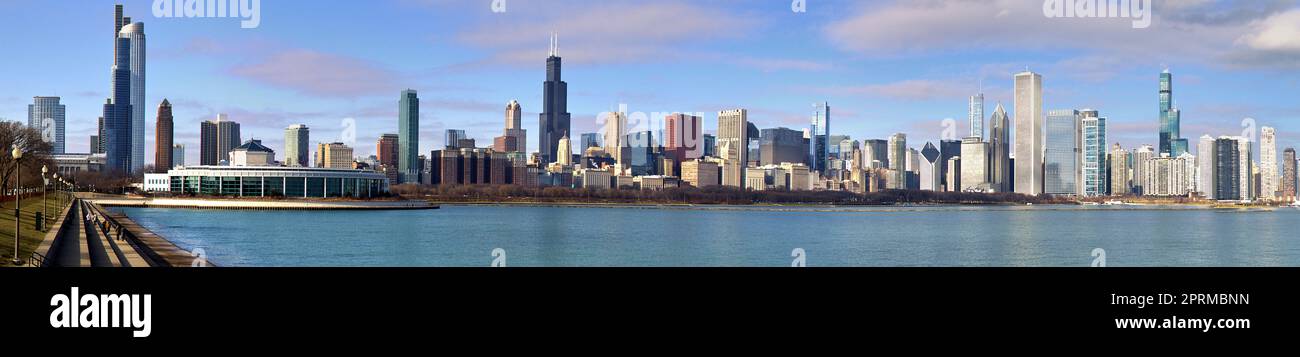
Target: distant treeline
708, 195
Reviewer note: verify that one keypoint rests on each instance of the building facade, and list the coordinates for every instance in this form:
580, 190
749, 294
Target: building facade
820, 133
49, 116
554, 118
1029, 133
1289, 183
134, 33
217, 138
266, 181
297, 146
334, 156
1094, 161
408, 137
1269, 175
1205, 165
164, 138
733, 136
1119, 171
1062, 154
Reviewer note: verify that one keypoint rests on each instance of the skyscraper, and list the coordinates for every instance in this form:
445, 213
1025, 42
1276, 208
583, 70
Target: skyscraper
1246, 168
97, 144
1268, 163
1205, 166
454, 138
1171, 141
929, 172
876, 152
1119, 171
1029, 133
1141, 155
163, 138
297, 145
1062, 154
178, 155
1094, 154
48, 116
684, 137
820, 134
733, 136
334, 156
217, 138
780, 145
1289, 175
134, 33
514, 126
554, 119
1000, 150
1227, 171
974, 165
386, 149
408, 137
975, 115
898, 159
615, 133
116, 138
590, 140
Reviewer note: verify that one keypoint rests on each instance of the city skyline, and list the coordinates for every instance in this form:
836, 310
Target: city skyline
868, 105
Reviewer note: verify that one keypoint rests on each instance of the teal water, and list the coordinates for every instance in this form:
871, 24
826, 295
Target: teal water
735, 236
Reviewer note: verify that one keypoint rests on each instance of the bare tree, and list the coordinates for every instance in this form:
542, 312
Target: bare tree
36, 153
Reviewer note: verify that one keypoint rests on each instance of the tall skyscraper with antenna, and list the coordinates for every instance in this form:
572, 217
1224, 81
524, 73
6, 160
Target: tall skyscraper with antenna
554, 120
975, 115
1171, 141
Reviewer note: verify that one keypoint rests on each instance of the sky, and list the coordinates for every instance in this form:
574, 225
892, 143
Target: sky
884, 66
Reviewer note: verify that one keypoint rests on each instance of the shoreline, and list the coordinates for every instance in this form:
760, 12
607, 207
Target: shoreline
304, 205
859, 208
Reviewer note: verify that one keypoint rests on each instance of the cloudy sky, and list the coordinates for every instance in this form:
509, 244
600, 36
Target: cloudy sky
884, 66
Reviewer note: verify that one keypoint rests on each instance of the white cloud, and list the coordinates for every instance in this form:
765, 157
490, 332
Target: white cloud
1241, 34
1280, 32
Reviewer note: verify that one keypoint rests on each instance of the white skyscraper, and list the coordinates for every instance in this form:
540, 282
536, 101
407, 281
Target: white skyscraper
1029, 133
48, 116
1246, 168
1094, 160
733, 130
1140, 157
1205, 166
135, 34
1268, 163
975, 115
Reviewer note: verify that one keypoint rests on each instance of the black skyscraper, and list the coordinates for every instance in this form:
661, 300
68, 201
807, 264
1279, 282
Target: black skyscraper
554, 121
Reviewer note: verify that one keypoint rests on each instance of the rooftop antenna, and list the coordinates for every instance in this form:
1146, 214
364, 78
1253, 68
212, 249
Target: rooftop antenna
555, 44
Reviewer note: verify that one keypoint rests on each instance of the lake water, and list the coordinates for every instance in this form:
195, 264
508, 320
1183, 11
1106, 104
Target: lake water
736, 236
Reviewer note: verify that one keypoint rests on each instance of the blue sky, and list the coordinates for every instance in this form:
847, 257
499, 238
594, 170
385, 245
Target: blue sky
884, 66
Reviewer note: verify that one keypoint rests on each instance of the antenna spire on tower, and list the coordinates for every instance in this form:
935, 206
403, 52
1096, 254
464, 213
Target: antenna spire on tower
555, 44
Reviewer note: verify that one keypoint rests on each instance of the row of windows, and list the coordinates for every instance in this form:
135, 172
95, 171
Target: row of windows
319, 187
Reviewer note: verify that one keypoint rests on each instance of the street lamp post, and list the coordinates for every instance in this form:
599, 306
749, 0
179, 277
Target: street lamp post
58, 200
18, 201
45, 200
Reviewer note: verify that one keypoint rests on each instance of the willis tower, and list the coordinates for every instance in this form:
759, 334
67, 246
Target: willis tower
554, 119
